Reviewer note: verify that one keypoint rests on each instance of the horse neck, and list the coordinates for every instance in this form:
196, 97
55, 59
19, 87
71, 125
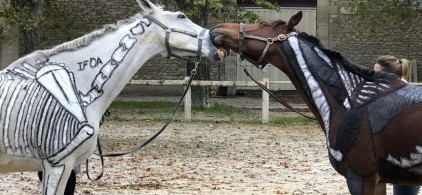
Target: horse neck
100, 70
325, 85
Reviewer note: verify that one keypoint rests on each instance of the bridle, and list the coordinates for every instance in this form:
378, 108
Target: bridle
167, 38
269, 41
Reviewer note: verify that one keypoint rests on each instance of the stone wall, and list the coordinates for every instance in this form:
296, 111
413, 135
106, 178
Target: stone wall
332, 29
88, 15
337, 33
9, 44
9, 47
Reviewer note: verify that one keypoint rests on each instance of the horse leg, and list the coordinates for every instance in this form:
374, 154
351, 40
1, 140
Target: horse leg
372, 186
86, 132
354, 182
57, 169
55, 178
381, 189
359, 185
70, 185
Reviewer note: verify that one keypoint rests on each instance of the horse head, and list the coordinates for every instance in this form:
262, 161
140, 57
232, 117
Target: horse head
181, 36
254, 42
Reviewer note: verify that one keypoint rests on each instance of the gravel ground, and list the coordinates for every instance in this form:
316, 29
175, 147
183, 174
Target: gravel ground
205, 158
210, 158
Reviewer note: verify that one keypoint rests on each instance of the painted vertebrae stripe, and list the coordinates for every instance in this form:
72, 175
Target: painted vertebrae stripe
316, 92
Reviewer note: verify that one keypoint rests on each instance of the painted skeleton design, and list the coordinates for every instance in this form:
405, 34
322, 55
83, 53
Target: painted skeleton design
51, 103
47, 91
322, 75
371, 120
49, 112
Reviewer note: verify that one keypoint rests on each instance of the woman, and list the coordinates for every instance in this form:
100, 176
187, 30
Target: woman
398, 67
393, 65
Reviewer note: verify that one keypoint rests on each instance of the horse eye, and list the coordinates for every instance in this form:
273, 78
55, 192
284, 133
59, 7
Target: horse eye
181, 16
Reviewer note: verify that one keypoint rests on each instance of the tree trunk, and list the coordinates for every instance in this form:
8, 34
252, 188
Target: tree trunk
31, 40
200, 95
31, 35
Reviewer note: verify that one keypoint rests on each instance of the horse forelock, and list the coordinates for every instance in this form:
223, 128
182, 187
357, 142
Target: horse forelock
88, 38
277, 23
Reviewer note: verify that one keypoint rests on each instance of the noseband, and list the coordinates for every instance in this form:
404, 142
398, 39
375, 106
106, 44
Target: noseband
269, 41
167, 38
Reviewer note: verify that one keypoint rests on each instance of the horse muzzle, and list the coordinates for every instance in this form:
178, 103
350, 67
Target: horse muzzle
217, 37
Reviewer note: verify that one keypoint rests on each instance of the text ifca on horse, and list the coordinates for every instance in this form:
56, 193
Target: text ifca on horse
372, 120
52, 100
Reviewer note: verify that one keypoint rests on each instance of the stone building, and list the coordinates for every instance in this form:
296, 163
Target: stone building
336, 33
328, 19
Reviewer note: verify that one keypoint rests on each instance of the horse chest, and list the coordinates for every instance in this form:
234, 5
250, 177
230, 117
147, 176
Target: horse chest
352, 137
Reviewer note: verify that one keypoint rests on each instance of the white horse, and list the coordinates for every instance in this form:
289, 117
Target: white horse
52, 100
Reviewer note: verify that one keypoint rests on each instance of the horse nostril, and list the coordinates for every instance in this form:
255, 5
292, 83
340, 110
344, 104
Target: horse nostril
213, 34
217, 34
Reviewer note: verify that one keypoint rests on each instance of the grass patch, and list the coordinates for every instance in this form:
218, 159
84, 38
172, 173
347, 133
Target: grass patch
292, 120
218, 109
126, 111
118, 104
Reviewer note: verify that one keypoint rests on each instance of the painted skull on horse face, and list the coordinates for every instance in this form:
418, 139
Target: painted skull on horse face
52, 100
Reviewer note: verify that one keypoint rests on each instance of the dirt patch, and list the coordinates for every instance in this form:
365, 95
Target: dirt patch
206, 158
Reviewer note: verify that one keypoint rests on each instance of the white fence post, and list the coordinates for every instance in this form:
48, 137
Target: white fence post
188, 102
265, 101
413, 71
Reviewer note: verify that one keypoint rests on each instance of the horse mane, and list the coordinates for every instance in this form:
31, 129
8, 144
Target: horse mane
365, 72
88, 38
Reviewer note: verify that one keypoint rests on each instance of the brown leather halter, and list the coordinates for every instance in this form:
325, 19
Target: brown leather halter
269, 41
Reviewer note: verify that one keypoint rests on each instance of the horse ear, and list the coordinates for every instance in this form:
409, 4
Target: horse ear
294, 20
146, 6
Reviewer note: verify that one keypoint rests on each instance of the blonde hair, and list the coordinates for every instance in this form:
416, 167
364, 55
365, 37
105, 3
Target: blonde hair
393, 65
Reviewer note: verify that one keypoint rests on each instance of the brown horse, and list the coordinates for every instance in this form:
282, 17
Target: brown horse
372, 120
